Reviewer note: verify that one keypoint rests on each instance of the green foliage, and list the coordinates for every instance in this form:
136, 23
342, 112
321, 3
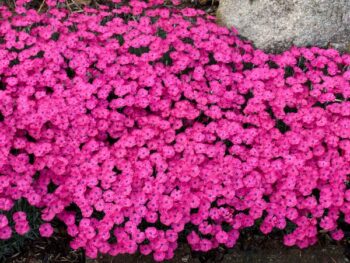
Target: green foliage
166, 59
138, 51
17, 242
161, 33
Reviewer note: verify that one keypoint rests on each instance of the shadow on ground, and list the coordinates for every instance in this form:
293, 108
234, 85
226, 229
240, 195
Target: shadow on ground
273, 251
249, 249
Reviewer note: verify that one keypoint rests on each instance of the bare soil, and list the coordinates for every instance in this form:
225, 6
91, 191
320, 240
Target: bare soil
249, 249
273, 252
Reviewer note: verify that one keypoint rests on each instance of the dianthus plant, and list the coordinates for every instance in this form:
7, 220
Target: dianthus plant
132, 121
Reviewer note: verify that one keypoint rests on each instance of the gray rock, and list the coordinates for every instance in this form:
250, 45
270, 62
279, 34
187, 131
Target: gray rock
275, 25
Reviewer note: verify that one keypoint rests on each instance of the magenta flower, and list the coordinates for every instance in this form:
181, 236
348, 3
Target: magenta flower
130, 130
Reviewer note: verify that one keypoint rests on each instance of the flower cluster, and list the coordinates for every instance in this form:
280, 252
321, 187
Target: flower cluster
132, 124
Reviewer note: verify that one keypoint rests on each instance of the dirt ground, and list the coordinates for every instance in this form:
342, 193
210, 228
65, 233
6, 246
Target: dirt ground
332, 253
254, 249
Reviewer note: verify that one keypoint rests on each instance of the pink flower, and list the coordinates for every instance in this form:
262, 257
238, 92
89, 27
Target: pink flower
46, 230
165, 120
337, 234
19, 216
289, 240
3, 221
22, 228
5, 233
221, 237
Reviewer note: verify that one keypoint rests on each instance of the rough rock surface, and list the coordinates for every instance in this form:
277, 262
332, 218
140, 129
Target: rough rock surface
275, 25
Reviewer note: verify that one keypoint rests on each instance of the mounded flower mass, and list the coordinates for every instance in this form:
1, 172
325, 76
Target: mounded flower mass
135, 123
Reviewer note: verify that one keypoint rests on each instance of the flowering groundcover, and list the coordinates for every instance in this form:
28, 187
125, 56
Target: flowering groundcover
132, 121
